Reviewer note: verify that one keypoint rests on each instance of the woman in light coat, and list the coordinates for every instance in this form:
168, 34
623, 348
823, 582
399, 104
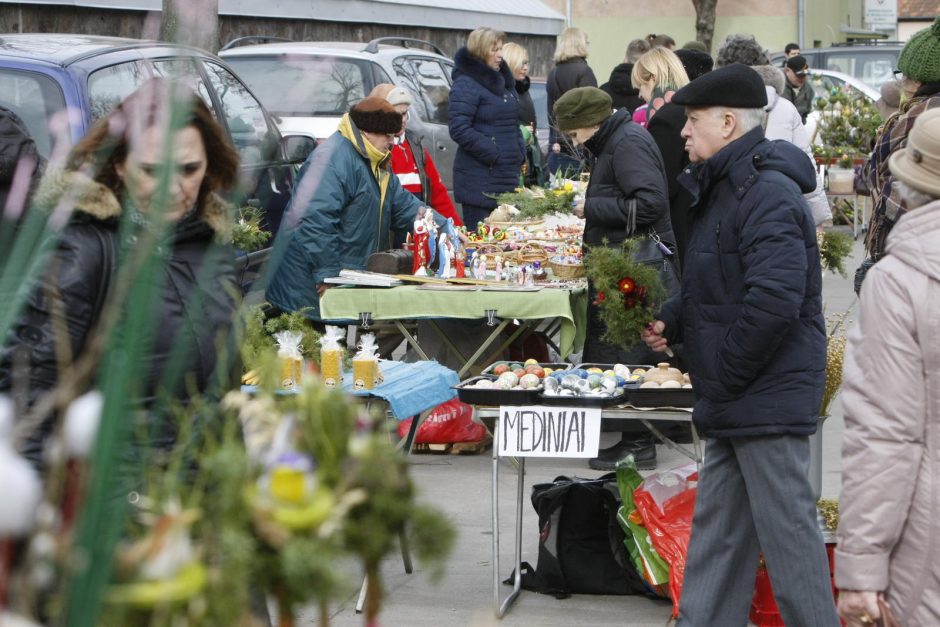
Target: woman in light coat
889, 541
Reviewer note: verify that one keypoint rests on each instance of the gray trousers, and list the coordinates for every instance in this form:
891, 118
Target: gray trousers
754, 496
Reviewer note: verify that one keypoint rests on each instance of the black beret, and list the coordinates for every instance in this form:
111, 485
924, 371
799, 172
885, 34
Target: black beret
734, 85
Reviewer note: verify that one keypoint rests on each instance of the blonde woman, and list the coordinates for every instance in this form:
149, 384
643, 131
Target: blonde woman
517, 59
484, 121
571, 70
657, 74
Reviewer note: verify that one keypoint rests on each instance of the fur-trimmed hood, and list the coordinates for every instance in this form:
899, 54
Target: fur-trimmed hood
97, 201
496, 82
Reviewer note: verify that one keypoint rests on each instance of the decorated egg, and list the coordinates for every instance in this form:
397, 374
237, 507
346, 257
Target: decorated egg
594, 380
569, 381
485, 384
529, 381
510, 378
649, 384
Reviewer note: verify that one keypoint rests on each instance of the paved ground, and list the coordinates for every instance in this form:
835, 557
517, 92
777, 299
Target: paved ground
461, 486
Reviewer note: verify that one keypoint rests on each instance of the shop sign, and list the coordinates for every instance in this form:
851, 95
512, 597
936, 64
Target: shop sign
543, 431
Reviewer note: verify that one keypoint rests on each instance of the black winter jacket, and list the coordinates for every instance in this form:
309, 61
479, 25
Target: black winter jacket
561, 79
621, 90
750, 310
191, 316
666, 128
627, 165
527, 115
483, 119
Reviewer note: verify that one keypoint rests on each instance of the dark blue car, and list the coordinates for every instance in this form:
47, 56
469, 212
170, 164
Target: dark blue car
60, 84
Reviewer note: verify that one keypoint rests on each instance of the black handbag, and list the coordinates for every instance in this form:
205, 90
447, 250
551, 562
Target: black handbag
652, 251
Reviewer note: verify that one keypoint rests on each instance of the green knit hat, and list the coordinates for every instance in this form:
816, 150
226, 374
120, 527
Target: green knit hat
920, 58
582, 107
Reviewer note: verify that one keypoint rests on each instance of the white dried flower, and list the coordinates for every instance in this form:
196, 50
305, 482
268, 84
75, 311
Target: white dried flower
81, 424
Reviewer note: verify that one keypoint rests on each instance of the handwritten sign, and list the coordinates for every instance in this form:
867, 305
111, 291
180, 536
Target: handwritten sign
542, 431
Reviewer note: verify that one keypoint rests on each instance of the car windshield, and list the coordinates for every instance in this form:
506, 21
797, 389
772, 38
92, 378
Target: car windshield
38, 101
303, 85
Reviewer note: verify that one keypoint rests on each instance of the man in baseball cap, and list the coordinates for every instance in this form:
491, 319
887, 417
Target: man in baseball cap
750, 319
798, 90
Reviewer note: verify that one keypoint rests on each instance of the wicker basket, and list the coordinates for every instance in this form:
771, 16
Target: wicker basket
566, 270
492, 251
530, 253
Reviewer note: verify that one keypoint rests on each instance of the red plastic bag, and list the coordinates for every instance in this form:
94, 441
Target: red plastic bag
666, 502
447, 423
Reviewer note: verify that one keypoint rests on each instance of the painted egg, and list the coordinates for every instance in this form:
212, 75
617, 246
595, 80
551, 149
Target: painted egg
529, 381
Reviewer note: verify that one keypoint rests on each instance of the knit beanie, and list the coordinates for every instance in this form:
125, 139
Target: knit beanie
392, 93
582, 107
920, 57
376, 115
695, 62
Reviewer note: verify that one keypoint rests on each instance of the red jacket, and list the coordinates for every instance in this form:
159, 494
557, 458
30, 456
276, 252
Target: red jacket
430, 189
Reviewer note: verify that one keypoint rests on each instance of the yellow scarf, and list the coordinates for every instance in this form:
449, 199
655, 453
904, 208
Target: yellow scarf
378, 161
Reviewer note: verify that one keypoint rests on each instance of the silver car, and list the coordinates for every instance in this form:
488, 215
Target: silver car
308, 86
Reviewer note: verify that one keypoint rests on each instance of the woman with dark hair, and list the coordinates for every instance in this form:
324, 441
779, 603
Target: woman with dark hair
484, 121
120, 191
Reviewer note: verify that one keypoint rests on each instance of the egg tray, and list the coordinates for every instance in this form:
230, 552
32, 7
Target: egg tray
659, 397
494, 397
632, 367
554, 366
583, 401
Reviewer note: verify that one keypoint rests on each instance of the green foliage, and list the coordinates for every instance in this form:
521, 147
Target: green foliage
624, 315
835, 247
848, 122
536, 202
247, 234
258, 336
326, 420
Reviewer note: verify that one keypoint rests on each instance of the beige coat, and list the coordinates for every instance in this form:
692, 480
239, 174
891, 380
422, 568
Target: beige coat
889, 533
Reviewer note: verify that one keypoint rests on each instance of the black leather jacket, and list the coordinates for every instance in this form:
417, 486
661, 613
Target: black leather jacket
192, 312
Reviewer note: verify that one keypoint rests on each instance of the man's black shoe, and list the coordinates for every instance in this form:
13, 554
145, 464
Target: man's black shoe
643, 451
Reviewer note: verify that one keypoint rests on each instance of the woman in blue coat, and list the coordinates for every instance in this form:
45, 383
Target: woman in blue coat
343, 210
483, 120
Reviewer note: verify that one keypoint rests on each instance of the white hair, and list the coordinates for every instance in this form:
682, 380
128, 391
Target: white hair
747, 119
913, 197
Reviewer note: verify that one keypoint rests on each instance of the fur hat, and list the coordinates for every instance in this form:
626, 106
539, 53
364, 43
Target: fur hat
918, 164
696, 62
734, 85
772, 77
890, 98
920, 57
376, 115
394, 94
582, 107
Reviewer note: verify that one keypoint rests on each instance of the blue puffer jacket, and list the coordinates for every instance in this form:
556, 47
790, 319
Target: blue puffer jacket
750, 311
483, 118
335, 221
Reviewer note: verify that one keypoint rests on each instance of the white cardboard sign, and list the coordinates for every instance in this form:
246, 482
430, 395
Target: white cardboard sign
543, 431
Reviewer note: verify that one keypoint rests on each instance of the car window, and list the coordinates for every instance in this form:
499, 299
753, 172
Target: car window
872, 67
304, 85
110, 85
36, 99
540, 102
429, 82
255, 139
184, 69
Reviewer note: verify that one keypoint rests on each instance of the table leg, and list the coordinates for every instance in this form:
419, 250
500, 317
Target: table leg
411, 340
524, 326
694, 455
482, 349
501, 606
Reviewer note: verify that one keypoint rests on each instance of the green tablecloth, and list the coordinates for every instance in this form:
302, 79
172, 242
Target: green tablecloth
408, 303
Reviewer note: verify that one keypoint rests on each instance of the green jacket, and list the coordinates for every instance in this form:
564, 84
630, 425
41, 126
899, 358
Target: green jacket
344, 207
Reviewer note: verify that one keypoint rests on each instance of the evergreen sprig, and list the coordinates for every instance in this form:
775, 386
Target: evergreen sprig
258, 340
624, 313
247, 234
536, 202
834, 249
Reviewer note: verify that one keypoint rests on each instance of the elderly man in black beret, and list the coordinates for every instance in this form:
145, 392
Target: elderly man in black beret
750, 320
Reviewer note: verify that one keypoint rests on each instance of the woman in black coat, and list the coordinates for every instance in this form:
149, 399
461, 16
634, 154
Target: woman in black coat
517, 59
627, 177
112, 182
483, 119
571, 70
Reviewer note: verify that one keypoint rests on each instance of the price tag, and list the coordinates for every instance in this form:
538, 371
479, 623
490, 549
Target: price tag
548, 431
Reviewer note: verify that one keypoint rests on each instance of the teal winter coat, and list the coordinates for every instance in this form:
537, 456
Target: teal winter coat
334, 222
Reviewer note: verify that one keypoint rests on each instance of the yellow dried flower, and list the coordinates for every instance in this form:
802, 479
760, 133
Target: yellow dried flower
835, 355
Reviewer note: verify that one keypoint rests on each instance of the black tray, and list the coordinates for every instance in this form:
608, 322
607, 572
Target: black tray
582, 401
632, 367
658, 397
494, 397
556, 366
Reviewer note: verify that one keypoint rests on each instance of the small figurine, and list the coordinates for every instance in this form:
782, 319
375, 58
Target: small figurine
445, 256
499, 268
479, 272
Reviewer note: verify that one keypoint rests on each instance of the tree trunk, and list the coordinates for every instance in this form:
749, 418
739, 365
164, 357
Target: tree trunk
191, 22
705, 21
